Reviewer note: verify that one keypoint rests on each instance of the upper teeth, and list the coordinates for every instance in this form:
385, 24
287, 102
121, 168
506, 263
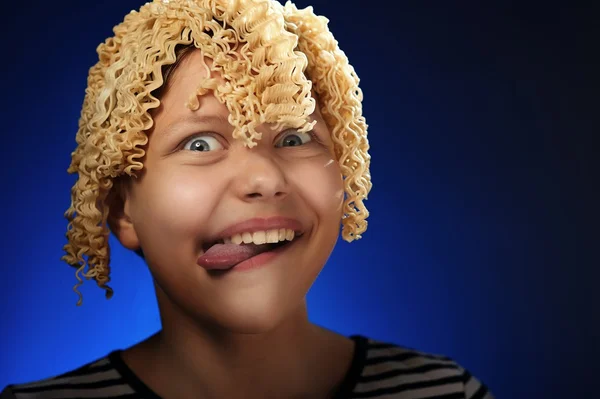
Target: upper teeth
261, 237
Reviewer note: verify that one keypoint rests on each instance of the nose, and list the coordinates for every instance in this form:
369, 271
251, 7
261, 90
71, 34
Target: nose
259, 178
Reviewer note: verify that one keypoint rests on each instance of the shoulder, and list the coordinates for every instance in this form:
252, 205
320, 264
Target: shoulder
99, 379
390, 369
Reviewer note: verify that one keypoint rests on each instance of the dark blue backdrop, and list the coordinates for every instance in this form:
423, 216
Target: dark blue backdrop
480, 244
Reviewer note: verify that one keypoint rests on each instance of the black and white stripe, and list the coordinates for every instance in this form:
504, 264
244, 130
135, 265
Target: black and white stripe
99, 379
392, 372
379, 370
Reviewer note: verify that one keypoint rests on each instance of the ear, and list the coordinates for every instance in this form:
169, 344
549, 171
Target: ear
119, 215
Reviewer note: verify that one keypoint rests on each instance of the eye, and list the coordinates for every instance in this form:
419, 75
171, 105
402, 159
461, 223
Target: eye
294, 138
203, 143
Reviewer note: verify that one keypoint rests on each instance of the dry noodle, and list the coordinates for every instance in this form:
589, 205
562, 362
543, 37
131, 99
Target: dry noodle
270, 57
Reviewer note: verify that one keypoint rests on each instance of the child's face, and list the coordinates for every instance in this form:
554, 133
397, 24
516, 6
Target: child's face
184, 197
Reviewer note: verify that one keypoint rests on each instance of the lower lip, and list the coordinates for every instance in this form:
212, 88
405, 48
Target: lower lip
260, 260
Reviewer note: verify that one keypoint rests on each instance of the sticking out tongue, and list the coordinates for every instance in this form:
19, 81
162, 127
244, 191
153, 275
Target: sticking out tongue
225, 256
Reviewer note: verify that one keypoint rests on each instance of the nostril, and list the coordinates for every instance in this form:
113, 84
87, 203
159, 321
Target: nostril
254, 195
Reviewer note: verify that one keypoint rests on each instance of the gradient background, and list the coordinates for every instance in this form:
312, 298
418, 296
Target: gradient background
483, 239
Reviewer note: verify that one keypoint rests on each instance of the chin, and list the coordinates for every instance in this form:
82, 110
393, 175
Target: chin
252, 304
258, 313
249, 320
249, 325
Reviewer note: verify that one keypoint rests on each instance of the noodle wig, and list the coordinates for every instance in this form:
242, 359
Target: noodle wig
270, 57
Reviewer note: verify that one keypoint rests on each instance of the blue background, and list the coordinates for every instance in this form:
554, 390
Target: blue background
483, 239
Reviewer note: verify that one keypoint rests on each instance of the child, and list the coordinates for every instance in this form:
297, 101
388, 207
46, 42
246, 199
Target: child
223, 141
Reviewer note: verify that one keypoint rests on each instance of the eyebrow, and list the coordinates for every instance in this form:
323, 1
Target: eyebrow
195, 119
199, 119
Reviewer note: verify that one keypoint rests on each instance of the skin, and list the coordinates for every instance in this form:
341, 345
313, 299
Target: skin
244, 334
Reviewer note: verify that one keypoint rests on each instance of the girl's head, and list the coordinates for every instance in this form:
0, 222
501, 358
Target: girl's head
202, 114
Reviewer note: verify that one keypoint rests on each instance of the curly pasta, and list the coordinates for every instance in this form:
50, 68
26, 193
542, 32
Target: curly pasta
270, 57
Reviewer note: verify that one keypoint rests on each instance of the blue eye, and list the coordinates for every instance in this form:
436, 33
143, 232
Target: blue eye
203, 143
294, 138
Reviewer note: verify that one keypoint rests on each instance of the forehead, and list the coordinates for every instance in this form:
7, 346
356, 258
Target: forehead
184, 85
189, 74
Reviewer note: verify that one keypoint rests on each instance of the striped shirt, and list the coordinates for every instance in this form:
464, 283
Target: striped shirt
378, 370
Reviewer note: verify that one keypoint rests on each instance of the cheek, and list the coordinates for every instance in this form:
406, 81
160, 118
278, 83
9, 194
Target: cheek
175, 203
319, 182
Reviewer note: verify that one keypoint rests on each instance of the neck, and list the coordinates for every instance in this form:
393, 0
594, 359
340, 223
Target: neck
191, 359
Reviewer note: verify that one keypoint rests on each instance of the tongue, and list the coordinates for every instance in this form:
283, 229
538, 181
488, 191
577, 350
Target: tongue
225, 256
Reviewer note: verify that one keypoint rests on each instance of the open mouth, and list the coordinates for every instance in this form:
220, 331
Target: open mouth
264, 247
223, 254
270, 240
